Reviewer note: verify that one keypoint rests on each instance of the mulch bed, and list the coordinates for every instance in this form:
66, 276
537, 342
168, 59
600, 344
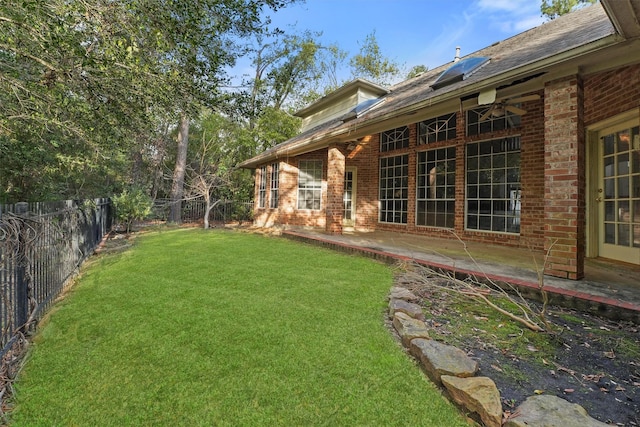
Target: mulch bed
588, 360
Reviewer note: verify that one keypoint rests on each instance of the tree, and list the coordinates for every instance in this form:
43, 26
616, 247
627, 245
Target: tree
70, 94
370, 64
211, 174
208, 173
286, 69
203, 39
132, 205
551, 9
416, 71
75, 79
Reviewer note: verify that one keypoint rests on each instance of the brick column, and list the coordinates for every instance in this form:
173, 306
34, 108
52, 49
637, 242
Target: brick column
335, 189
564, 178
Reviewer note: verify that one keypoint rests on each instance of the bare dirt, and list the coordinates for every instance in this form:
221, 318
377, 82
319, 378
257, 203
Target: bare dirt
588, 360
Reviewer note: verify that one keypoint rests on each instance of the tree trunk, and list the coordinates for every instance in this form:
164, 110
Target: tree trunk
177, 186
209, 208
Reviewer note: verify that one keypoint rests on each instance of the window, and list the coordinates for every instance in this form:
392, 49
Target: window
436, 185
493, 185
262, 190
490, 119
273, 186
394, 139
394, 189
437, 129
309, 184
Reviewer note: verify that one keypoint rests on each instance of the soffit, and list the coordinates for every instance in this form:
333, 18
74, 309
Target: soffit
625, 16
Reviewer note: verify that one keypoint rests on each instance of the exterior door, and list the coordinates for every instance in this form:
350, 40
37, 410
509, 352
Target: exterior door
349, 197
619, 192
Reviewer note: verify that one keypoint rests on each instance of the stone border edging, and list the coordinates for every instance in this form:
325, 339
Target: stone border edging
450, 368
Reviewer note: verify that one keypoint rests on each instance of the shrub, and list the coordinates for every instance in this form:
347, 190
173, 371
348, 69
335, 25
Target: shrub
132, 205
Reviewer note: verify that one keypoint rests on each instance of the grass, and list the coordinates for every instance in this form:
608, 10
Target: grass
193, 327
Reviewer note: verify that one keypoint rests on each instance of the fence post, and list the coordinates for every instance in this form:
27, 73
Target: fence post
22, 294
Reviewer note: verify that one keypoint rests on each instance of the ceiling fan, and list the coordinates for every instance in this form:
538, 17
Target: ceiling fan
499, 107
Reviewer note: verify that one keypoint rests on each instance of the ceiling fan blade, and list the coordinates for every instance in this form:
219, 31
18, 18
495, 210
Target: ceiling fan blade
515, 110
486, 115
526, 98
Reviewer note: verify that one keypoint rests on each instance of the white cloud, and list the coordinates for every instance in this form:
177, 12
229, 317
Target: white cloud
508, 16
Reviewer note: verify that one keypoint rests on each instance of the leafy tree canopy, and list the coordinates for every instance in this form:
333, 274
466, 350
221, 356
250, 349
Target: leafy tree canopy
372, 65
551, 9
86, 84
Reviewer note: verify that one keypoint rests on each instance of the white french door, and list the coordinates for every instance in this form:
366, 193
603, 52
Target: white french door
618, 192
349, 197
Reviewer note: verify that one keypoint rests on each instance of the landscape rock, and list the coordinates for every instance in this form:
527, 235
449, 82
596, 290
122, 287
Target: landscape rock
440, 359
409, 328
477, 394
413, 310
402, 293
551, 411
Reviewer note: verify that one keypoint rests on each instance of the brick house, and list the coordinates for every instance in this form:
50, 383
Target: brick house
532, 142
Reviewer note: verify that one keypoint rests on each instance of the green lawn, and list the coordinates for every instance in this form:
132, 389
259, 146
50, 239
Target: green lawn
194, 327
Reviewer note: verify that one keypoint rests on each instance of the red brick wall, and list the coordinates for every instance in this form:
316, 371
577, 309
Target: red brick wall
335, 187
565, 178
610, 93
365, 159
532, 174
287, 213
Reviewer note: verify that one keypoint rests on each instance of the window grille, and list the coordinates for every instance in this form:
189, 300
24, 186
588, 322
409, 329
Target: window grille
437, 129
493, 185
262, 190
309, 184
394, 189
274, 186
394, 139
436, 187
493, 122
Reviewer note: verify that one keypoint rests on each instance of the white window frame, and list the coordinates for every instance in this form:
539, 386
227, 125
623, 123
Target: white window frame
310, 184
492, 185
262, 187
393, 189
441, 128
394, 139
274, 183
436, 187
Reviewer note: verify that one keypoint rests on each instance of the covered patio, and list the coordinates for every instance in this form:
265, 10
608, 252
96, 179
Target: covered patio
609, 288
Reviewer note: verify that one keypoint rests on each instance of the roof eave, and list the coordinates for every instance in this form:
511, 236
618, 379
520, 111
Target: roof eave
625, 16
364, 127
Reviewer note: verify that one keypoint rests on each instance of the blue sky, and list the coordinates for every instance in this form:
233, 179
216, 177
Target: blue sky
413, 32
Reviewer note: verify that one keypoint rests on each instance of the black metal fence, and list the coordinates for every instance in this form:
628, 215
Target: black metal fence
193, 211
41, 247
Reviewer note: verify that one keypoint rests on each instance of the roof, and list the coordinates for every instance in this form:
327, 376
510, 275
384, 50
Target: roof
525, 57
